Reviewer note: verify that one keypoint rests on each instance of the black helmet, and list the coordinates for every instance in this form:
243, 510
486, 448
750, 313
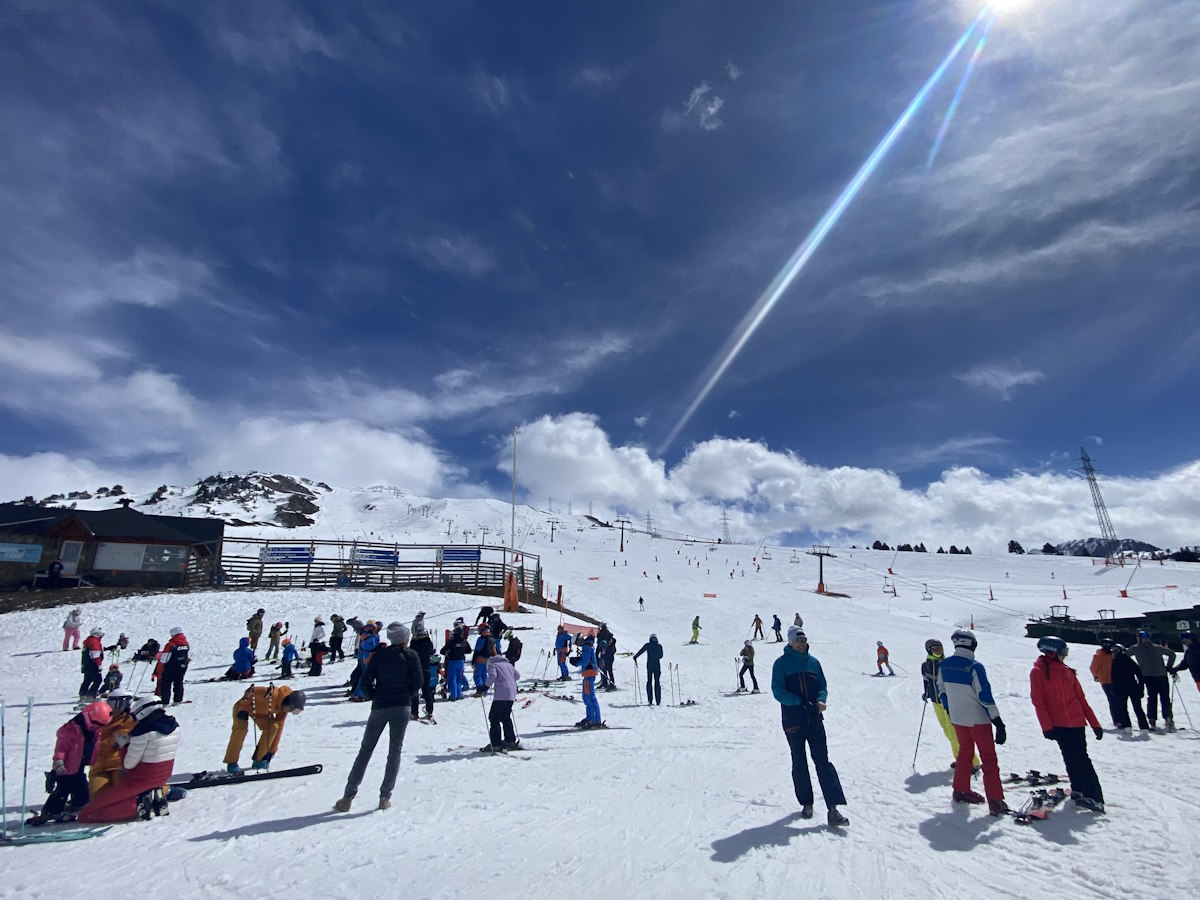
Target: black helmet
1054, 645
1186, 636
931, 643
1107, 643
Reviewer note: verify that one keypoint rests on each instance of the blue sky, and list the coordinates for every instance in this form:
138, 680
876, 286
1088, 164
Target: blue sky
363, 242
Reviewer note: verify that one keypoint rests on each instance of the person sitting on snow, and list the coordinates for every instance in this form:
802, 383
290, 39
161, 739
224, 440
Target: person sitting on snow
268, 706
149, 760
243, 662
74, 749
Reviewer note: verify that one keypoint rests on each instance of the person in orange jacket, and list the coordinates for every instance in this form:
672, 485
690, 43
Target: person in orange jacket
1102, 662
881, 659
1063, 711
268, 706
107, 764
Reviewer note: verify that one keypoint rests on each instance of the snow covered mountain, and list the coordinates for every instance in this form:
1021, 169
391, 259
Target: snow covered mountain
1094, 546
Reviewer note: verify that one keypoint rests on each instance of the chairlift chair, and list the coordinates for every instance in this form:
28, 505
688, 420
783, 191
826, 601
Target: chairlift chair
794, 558
766, 554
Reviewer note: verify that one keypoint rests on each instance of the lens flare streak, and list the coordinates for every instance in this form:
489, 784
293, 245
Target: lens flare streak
958, 94
767, 300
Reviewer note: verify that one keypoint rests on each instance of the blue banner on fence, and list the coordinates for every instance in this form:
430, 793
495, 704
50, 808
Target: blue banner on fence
286, 555
367, 556
458, 554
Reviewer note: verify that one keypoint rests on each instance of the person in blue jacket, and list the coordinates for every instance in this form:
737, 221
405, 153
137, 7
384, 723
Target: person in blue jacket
485, 648
654, 654
455, 651
589, 669
243, 662
562, 649
368, 643
798, 683
290, 655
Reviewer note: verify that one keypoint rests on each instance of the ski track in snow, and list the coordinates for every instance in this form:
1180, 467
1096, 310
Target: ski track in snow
689, 802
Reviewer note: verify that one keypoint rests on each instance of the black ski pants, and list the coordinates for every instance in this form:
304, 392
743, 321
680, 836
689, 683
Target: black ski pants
747, 667
653, 687
1158, 687
73, 786
335, 649
1073, 744
426, 695
90, 685
171, 682
1124, 698
1114, 708
813, 734
500, 717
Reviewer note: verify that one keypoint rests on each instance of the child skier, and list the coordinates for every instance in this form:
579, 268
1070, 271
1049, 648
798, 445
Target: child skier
290, 655
91, 661
106, 767
589, 670
485, 649
268, 706
243, 662
929, 672
74, 749
881, 659
275, 636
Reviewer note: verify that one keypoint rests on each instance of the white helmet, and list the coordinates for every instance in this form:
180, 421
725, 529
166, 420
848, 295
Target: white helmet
97, 632
176, 631
143, 706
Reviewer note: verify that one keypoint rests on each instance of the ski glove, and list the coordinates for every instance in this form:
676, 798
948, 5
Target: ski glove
1001, 734
243, 715
1048, 734
60, 768
1099, 732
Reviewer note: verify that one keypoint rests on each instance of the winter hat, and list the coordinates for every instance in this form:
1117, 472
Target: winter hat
97, 632
176, 631
1143, 634
398, 633
748, 644
654, 637
97, 714
295, 700
318, 621
77, 611
261, 612
114, 668
278, 626
796, 633
879, 643
483, 629
287, 640
964, 638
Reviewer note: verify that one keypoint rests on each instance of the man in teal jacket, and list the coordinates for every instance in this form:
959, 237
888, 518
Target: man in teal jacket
799, 685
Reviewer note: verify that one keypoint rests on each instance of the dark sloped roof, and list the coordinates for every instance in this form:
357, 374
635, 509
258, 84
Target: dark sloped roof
28, 519
129, 524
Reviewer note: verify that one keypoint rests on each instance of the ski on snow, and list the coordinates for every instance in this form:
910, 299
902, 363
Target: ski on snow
1039, 805
212, 779
1034, 777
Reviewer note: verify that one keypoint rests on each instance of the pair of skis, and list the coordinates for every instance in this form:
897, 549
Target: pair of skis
1039, 805
1034, 777
196, 780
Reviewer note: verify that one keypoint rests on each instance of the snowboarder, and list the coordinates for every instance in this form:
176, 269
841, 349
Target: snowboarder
92, 658
390, 679
337, 632
71, 626
881, 659
243, 662
1063, 711
275, 637
607, 656
74, 749
777, 627
695, 631
1154, 675
758, 630
149, 760
268, 706
502, 677
929, 672
254, 626
1101, 669
172, 665
1128, 688
654, 654
964, 692
588, 671
290, 656
422, 645
1191, 658
747, 656
798, 683
485, 649
455, 651
562, 649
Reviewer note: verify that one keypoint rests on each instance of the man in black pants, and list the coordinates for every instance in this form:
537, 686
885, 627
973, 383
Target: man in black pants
1150, 658
654, 653
1127, 688
422, 644
747, 656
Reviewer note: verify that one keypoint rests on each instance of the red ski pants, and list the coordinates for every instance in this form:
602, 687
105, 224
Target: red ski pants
970, 739
119, 802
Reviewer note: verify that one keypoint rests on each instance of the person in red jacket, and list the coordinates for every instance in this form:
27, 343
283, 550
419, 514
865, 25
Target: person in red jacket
1063, 711
93, 659
74, 750
172, 665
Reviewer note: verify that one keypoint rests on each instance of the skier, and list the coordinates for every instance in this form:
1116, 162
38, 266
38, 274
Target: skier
695, 631
254, 628
390, 679
485, 649
603, 634
758, 630
562, 649
172, 666
337, 632
316, 651
274, 636
1101, 668
149, 761
497, 627
777, 627
268, 706
747, 656
368, 640
588, 671
798, 622
642, 603
290, 656
798, 683
112, 680
91, 660
929, 672
1191, 658
608, 655
74, 749
1062, 711
71, 626
965, 694
318, 634
485, 612
502, 676
422, 645
1128, 689
455, 651
1154, 675
148, 652
243, 662
881, 659
654, 654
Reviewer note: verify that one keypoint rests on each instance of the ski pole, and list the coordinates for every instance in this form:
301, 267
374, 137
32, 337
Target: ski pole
671, 681
487, 725
25, 776
679, 682
3, 779
920, 728
735, 673
1174, 684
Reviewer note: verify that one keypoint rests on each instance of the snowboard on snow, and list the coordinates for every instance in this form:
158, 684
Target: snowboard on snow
213, 779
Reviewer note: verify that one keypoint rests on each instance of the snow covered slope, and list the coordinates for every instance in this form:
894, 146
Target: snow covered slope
681, 801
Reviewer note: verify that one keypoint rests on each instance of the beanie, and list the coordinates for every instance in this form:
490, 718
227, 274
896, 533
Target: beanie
795, 632
398, 633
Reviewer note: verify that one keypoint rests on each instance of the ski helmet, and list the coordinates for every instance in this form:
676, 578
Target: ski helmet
931, 644
654, 637
965, 639
1107, 644
748, 644
295, 700
97, 632
261, 612
118, 700
97, 714
143, 706
1120, 648
1186, 636
879, 643
1053, 645
176, 631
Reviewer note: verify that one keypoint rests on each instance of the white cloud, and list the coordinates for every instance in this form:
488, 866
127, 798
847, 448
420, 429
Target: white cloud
493, 91
594, 77
710, 119
732, 71
1001, 379
732, 414
1095, 439
699, 92
640, 421
452, 253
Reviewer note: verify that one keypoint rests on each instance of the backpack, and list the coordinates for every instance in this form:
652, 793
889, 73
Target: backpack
514, 650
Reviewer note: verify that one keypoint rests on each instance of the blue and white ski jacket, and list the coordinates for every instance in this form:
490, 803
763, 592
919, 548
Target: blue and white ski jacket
963, 689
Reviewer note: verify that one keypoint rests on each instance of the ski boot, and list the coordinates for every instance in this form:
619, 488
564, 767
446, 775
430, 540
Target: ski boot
967, 797
806, 811
385, 803
836, 819
343, 805
511, 745
755, 691
488, 748
582, 723
997, 808
260, 765
233, 769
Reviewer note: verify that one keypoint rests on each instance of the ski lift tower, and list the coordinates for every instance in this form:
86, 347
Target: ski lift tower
1108, 534
820, 552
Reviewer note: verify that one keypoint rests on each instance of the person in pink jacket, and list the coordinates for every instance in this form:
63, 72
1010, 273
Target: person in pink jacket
74, 749
502, 679
149, 761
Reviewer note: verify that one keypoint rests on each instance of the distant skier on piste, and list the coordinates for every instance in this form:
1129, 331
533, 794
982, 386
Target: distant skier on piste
758, 627
654, 654
747, 656
695, 631
934, 653
562, 650
589, 670
777, 627
964, 692
1063, 711
881, 659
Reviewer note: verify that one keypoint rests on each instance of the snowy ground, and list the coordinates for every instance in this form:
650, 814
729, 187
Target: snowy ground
689, 801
